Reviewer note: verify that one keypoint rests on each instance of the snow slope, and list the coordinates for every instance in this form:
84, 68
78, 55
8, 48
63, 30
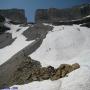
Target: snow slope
64, 44
19, 43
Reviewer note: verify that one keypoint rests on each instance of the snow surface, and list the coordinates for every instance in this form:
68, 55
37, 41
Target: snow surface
19, 43
64, 44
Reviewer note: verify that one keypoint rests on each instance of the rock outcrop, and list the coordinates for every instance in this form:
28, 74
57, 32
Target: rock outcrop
6, 39
3, 28
30, 70
54, 14
15, 15
37, 31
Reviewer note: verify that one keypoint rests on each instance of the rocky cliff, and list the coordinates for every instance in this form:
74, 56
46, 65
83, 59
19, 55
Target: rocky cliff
16, 15
54, 14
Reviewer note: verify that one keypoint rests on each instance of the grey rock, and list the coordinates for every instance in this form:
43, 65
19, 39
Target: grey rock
37, 31
6, 39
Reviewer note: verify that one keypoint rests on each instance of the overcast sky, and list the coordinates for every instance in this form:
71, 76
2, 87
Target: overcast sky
30, 6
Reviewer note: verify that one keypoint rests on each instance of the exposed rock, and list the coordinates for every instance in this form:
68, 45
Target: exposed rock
37, 31
55, 15
86, 24
31, 70
44, 74
15, 15
3, 29
26, 69
75, 66
8, 69
63, 70
6, 39
51, 71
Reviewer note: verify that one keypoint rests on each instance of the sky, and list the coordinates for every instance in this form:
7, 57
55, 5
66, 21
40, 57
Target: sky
30, 6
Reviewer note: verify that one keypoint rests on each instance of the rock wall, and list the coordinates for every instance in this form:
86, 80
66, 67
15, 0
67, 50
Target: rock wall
54, 14
16, 15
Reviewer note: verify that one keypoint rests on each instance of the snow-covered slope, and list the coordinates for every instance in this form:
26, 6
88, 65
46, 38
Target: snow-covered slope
64, 44
18, 44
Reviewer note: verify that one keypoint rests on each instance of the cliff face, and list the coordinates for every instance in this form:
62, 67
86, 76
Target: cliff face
53, 14
16, 15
